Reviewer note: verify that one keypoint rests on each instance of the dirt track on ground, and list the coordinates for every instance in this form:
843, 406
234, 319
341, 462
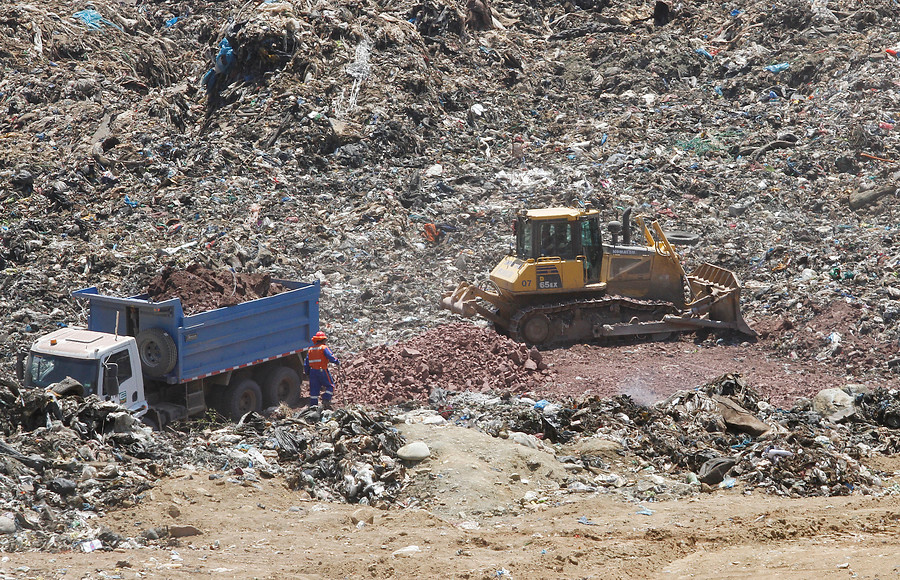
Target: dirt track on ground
481, 526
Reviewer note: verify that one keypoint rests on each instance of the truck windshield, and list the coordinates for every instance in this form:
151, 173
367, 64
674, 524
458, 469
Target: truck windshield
44, 370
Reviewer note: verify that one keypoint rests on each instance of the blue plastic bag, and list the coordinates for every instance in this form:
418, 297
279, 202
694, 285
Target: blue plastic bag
777, 68
225, 58
94, 20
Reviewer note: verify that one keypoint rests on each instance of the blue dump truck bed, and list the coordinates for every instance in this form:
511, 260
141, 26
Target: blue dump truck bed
218, 340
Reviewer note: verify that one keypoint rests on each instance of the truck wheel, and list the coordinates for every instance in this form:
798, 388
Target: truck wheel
282, 385
157, 351
241, 398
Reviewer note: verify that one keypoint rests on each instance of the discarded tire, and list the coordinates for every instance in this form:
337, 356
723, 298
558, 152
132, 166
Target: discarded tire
682, 238
281, 385
157, 351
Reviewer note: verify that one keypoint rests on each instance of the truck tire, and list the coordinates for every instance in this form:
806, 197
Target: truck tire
157, 351
281, 385
68, 388
241, 398
682, 238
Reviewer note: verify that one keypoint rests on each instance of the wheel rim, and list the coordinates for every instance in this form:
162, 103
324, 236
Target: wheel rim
537, 329
247, 402
152, 354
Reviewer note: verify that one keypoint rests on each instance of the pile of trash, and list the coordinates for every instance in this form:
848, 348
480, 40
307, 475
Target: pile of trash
330, 141
384, 150
66, 461
455, 357
348, 456
720, 435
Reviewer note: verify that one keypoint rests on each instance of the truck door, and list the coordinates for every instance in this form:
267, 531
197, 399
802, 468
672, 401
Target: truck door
119, 381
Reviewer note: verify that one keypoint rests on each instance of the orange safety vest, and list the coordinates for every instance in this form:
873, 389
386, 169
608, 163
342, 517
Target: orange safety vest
431, 233
316, 358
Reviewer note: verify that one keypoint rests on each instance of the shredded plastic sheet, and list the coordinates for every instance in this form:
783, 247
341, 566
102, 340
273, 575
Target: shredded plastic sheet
94, 20
359, 70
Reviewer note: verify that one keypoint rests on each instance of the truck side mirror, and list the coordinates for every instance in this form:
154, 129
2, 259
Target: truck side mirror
110, 380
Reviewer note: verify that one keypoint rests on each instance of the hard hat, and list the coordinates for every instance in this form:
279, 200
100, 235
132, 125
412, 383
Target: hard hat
319, 336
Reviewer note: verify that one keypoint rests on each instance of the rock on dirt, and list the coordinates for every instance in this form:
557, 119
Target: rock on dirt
457, 356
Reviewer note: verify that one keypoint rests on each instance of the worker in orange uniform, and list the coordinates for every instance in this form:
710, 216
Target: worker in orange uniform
316, 366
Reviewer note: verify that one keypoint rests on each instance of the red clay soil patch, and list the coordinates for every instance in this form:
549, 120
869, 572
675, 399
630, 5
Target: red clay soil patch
464, 357
201, 289
456, 357
845, 334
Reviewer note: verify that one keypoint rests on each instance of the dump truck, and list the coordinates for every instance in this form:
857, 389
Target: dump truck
165, 366
563, 284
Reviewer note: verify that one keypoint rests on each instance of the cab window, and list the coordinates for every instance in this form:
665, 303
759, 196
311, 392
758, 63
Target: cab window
557, 240
524, 240
122, 360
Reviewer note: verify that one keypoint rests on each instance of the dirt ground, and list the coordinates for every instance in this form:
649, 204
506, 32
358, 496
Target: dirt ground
468, 516
483, 507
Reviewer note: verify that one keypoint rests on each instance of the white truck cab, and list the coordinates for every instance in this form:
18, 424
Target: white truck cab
106, 365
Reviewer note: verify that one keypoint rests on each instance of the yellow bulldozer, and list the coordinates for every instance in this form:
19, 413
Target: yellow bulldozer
563, 284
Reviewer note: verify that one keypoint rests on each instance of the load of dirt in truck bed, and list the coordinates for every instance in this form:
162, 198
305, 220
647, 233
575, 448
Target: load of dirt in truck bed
201, 289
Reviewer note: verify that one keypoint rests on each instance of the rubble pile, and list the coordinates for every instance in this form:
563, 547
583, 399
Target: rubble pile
719, 435
64, 462
350, 457
201, 289
453, 357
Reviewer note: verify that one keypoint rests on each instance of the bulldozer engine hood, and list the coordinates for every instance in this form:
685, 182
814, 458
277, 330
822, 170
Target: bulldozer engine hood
507, 272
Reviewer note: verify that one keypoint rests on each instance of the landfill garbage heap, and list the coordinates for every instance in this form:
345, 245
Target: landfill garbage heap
319, 141
66, 460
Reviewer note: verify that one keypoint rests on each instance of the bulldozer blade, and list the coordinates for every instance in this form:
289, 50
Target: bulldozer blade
466, 301
693, 322
460, 300
719, 290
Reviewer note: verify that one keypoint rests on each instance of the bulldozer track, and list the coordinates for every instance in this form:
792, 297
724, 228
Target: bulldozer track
573, 320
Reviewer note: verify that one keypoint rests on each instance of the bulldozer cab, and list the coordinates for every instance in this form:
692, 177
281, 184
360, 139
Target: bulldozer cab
561, 235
